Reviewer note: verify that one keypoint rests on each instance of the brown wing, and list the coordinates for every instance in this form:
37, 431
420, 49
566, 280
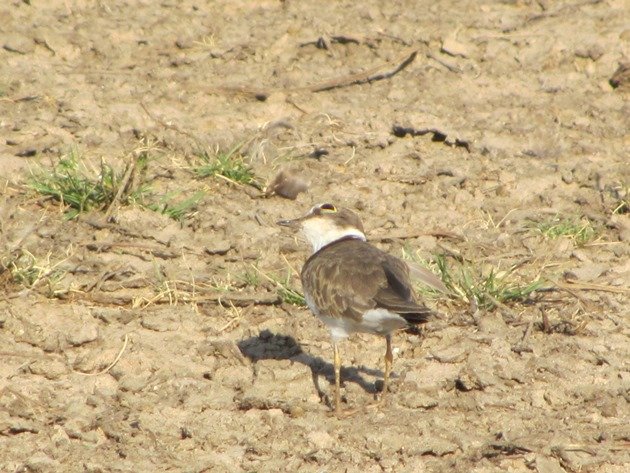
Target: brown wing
349, 277
397, 295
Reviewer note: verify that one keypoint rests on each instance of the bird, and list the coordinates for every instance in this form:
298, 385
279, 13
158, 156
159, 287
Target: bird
353, 286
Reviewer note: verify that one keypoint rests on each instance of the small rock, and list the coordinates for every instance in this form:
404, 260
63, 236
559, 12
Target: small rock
433, 445
548, 465
609, 409
580, 255
591, 51
296, 412
621, 78
59, 437
474, 378
91, 436
17, 43
417, 400
106, 389
321, 439
51, 369
16, 425
86, 333
451, 46
273, 416
40, 462
218, 247
74, 427
94, 360
467, 381
184, 42
222, 349
492, 322
286, 184
90, 467
587, 272
112, 315
134, 383
160, 322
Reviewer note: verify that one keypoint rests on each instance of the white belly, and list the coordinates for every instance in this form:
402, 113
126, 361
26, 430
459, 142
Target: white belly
376, 321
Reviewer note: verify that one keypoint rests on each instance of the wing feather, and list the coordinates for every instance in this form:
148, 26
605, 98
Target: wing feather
350, 277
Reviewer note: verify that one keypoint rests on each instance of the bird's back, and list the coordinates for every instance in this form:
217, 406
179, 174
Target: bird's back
350, 277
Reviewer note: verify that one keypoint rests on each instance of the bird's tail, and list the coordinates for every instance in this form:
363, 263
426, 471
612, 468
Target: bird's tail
420, 316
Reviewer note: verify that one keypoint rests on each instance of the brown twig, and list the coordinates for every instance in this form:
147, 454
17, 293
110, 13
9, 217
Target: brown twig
154, 249
238, 300
101, 224
168, 126
122, 188
363, 77
523, 346
410, 235
444, 63
371, 75
591, 287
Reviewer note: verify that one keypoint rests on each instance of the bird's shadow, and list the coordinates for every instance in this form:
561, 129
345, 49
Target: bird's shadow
272, 346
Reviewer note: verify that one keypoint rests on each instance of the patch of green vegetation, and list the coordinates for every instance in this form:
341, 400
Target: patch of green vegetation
290, 295
72, 186
230, 165
431, 265
29, 271
581, 231
80, 189
466, 282
250, 278
485, 288
286, 291
177, 210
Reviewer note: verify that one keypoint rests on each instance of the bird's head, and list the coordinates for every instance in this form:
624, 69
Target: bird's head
326, 223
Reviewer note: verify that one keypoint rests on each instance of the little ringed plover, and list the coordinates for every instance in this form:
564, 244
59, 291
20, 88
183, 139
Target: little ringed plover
353, 286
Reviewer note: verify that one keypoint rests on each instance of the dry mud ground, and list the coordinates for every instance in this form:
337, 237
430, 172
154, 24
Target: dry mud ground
145, 343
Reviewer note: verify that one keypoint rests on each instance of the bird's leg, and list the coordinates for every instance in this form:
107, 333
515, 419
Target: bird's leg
337, 361
389, 359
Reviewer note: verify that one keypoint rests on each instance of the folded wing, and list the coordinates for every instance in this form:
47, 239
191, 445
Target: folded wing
348, 278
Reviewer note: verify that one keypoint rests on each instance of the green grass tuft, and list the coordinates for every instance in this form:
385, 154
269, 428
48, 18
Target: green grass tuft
28, 271
467, 282
80, 189
286, 291
230, 165
485, 288
176, 210
73, 187
250, 278
290, 295
581, 231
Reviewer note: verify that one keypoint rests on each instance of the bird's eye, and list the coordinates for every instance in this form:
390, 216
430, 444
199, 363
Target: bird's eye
328, 208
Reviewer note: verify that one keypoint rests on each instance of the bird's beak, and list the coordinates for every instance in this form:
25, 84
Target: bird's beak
295, 223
